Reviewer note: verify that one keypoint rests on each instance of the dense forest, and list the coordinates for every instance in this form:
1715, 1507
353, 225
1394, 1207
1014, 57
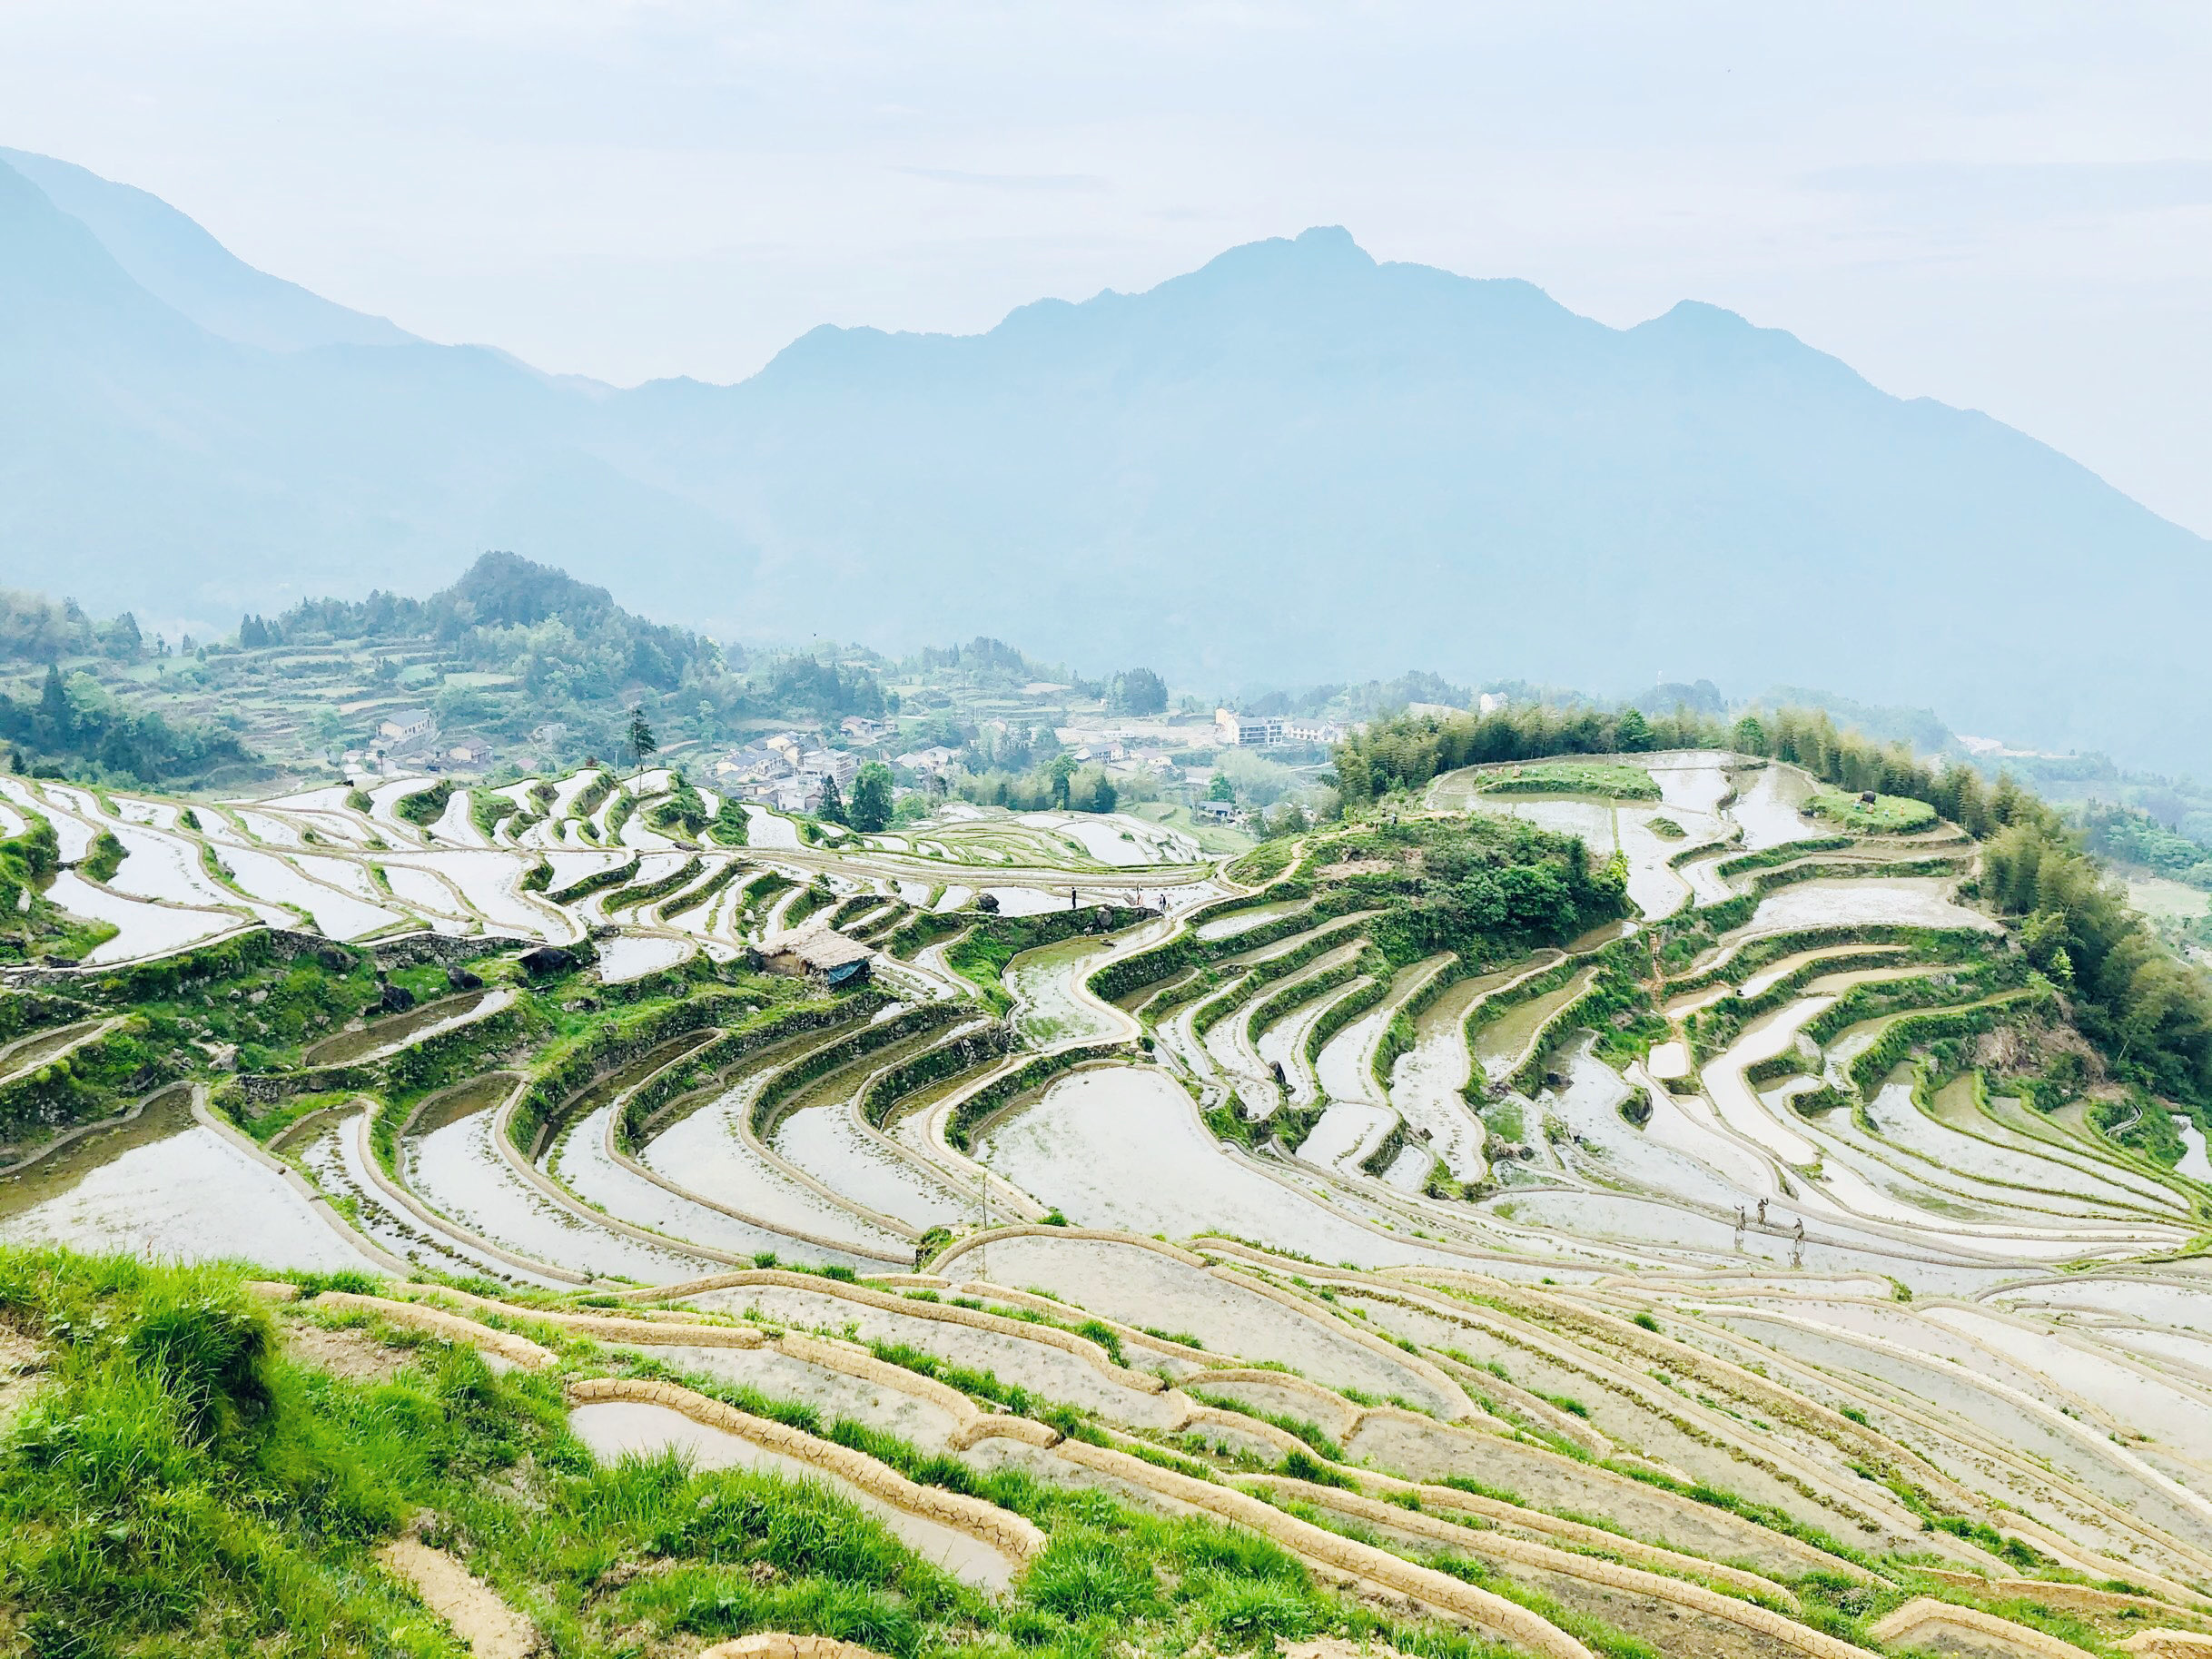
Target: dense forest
34, 629
561, 634
77, 720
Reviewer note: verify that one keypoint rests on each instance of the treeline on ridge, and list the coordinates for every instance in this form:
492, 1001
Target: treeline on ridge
77, 719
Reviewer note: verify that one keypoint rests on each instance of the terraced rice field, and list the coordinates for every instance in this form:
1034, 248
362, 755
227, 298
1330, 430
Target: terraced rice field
1720, 1261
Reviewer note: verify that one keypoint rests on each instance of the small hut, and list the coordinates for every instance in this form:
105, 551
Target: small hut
819, 954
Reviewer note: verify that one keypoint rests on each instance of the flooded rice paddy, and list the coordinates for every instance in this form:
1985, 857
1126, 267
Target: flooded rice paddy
1122, 1147
163, 1185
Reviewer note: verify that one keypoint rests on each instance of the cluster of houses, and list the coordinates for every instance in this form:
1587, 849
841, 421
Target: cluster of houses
786, 773
409, 739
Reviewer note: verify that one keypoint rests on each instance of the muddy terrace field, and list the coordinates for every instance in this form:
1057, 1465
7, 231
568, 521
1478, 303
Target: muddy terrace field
1505, 1220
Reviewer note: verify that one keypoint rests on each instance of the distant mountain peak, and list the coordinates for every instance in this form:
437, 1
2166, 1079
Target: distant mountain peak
173, 259
1295, 462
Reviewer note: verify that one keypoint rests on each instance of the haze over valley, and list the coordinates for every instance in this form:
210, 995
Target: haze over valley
1264, 460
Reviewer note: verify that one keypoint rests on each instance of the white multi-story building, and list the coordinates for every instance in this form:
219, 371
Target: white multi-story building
831, 763
1233, 730
1237, 731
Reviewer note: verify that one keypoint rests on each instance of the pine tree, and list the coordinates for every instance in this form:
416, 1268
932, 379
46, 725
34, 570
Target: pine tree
56, 718
870, 808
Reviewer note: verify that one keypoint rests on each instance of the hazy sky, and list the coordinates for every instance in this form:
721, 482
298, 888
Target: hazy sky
2004, 205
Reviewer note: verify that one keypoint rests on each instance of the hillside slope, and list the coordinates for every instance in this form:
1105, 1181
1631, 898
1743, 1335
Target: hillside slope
1263, 461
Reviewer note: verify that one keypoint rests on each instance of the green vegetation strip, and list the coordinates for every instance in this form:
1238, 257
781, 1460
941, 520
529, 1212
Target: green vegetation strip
1000, 1092
486, 807
1713, 1028
1342, 1013
185, 1481
1490, 1006
924, 928
750, 1036
645, 893
1612, 780
1870, 1067
1299, 992
833, 1056
704, 890
570, 1064
684, 813
1262, 865
1253, 978
1705, 849
1885, 814
1399, 1036
86, 1084
1785, 853
1935, 942
1872, 1001
911, 1076
596, 882
1118, 978
425, 807
591, 796
981, 954
1615, 990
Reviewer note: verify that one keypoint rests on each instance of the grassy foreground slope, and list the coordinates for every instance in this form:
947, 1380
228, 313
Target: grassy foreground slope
191, 1473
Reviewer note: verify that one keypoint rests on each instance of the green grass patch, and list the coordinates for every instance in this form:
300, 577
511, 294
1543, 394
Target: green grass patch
1611, 779
1885, 814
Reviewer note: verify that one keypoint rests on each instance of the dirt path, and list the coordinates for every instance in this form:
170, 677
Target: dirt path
485, 1625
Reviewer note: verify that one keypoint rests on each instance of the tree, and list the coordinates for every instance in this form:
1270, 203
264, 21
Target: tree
1104, 796
1750, 735
1221, 789
1063, 769
871, 809
641, 740
122, 639
832, 810
56, 719
1633, 732
1138, 691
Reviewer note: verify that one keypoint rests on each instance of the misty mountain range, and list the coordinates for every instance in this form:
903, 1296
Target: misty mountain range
1293, 464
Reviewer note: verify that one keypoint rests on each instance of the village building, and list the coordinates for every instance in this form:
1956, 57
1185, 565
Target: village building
927, 763
831, 763
1235, 731
406, 731
753, 763
803, 794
